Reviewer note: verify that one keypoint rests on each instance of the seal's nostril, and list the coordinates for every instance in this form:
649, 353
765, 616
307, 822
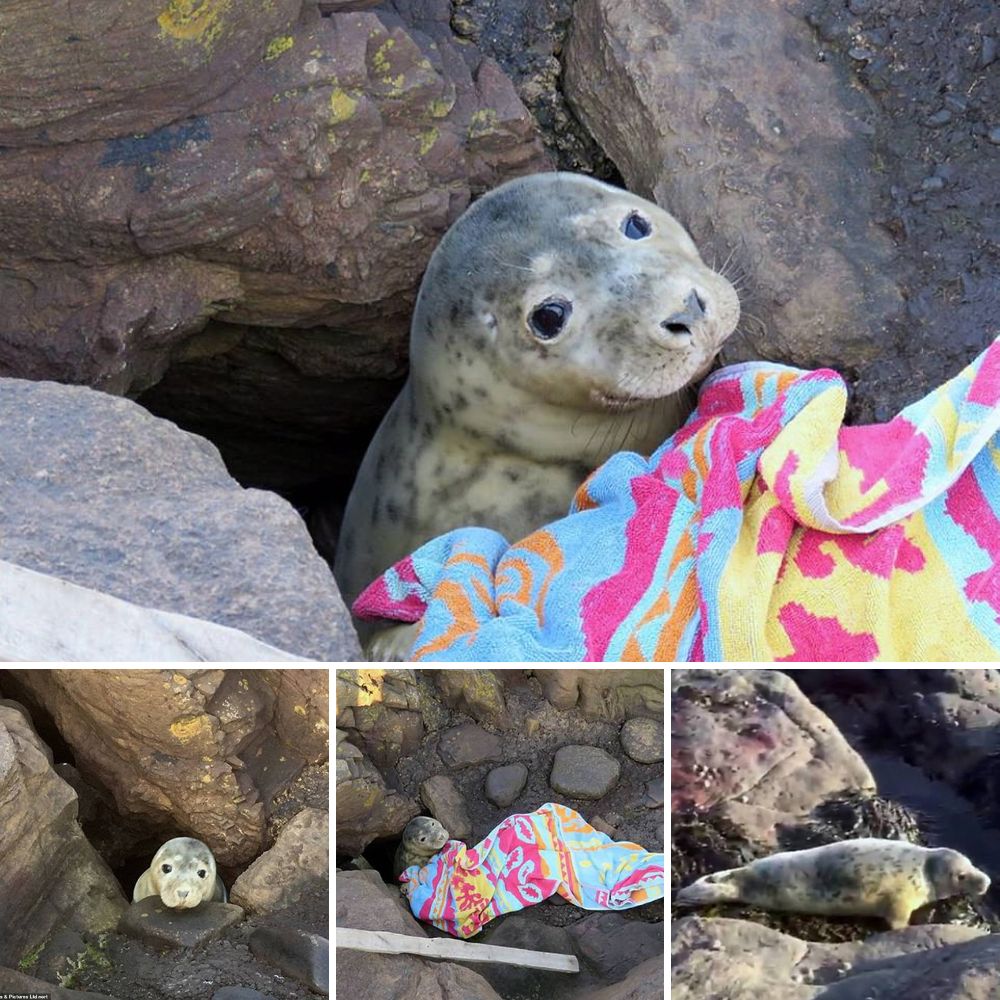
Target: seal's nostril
694, 310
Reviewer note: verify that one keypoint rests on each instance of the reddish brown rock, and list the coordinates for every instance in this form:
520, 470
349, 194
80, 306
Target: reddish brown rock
142, 735
259, 168
50, 877
63, 78
750, 746
724, 115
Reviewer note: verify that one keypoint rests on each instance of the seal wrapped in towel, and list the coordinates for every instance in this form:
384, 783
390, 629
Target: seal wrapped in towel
527, 858
764, 529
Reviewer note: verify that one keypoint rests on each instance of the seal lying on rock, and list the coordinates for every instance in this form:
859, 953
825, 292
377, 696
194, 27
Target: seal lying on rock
182, 874
556, 324
423, 837
866, 877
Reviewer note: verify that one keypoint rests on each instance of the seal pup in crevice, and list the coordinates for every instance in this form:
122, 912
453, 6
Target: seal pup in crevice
182, 873
556, 324
862, 878
423, 837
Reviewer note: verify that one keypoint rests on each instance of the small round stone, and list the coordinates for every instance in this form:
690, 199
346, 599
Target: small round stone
584, 772
504, 784
642, 740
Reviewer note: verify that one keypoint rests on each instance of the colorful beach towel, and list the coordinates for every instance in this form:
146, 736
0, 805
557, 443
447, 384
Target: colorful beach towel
764, 529
527, 858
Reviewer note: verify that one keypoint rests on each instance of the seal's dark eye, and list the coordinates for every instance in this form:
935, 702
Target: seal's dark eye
201, 873
548, 319
166, 869
636, 226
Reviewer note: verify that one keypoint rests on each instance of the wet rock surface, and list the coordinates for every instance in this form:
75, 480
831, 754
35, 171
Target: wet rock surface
750, 746
304, 957
609, 944
774, 954
716, 956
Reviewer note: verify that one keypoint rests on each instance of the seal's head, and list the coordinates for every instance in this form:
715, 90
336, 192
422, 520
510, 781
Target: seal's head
182, 873
424, 835
951, 873
572, 291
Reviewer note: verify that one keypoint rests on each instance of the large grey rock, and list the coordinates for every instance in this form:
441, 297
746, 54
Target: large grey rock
583, 772
99, 493
644, 982
303, 956
45, 618
51, 879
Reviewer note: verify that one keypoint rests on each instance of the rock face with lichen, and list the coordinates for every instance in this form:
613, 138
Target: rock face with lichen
141, 734
261, 166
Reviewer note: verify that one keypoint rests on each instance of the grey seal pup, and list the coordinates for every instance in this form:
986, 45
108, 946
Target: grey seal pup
865, 877
423, 837
557, 322
182, 873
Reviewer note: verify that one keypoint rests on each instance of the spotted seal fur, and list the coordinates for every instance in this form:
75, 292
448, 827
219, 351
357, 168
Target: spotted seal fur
864, 877
182, 873
423, 837
556, 324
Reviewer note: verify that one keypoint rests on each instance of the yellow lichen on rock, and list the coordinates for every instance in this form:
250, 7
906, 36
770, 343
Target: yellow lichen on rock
440, 107
427, 140
380, 61
198, 21
190, 727
278, 45
342, 106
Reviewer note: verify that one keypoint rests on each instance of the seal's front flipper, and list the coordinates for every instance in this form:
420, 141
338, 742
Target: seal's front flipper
392, 645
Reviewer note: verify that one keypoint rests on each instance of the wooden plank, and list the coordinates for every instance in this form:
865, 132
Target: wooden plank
388, 943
